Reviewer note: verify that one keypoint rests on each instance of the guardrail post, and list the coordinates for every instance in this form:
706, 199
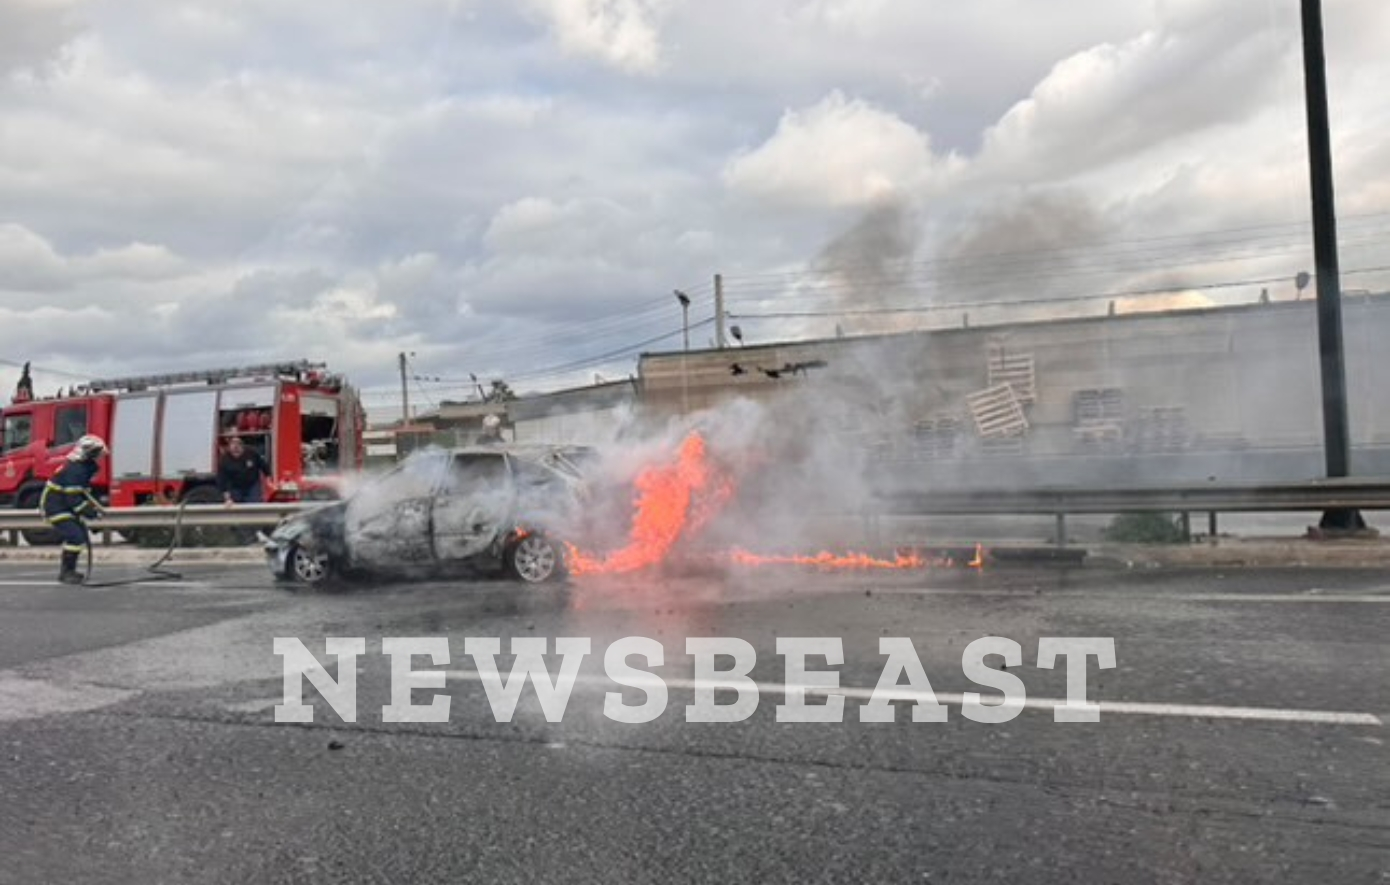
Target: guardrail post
1211, 526
1186, 523
1061, 537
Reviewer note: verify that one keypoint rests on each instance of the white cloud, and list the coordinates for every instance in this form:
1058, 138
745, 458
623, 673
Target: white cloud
29, 262
522, 185
32, 31
838, 152
1114, 100
621, 33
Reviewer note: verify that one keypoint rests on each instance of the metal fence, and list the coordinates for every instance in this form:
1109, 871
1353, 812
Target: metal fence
1212, 499
194, 516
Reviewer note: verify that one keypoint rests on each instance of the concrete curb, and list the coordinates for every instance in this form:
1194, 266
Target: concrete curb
1225, 553
137, 555
1253, 553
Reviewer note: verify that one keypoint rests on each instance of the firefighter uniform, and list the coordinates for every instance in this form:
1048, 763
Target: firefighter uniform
67, 503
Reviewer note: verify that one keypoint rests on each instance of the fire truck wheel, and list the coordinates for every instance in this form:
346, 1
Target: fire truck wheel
207, 536
35, 537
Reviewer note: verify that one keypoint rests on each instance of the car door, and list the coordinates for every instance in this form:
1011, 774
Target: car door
474, 505
388, 521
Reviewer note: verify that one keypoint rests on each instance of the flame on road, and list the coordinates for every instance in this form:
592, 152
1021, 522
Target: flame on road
827, 560
676, 500
671, 499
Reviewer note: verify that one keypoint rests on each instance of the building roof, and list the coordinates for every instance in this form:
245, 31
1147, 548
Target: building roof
1054, 322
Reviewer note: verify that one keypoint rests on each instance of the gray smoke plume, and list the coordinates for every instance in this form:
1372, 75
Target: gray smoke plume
870, 266
1036, 245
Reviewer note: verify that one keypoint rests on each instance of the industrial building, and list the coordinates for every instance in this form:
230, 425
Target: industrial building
1217, 393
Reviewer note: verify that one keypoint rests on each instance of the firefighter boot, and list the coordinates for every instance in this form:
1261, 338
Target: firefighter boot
67, 572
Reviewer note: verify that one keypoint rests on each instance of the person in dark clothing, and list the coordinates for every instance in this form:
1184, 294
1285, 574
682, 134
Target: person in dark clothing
239, 474
67, 503
492, 432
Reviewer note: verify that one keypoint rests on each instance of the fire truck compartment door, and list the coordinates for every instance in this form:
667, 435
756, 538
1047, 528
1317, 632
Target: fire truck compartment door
132, 436
190, 429
260, 397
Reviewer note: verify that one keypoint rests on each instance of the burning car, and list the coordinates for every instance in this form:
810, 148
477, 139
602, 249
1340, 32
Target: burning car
442, 510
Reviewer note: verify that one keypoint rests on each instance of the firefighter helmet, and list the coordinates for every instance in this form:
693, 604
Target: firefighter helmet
88, 448
492, 422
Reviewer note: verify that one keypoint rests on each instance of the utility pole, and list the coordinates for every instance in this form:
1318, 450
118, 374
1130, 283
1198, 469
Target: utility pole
1331, 354
405, 393
719, 339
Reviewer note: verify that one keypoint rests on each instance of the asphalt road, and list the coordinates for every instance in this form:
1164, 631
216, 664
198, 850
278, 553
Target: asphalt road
138, 741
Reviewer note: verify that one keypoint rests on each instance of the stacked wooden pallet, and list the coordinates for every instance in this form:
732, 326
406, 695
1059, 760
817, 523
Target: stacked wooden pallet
997, 412
1014, 369
1160, 430
936, 437
1099, 419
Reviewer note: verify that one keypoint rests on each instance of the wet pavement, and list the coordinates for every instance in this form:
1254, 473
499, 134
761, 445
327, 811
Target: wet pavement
138, 740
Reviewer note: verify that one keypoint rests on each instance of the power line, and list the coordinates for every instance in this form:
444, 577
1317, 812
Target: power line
1178, 240
594, 360
45, 370
1170, 290
1058, 269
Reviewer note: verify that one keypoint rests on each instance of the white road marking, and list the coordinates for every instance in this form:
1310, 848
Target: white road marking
1130, 708
1155, 597
25, 698
97, 585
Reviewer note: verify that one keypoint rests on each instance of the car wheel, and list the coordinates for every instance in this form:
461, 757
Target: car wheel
310, 567
535, 559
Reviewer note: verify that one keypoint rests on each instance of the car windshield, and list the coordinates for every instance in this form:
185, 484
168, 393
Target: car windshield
417, 476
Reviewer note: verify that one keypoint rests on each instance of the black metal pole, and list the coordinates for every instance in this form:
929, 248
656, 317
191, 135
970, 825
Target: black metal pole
1331, 355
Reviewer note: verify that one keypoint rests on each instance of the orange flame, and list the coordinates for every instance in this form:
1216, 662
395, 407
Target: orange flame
826, 560
678, 499
666, 497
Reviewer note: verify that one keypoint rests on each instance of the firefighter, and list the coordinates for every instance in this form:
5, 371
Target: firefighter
492, 432
240, 473
67, 503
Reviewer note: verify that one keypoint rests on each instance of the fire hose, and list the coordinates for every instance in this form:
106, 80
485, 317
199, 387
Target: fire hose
156, 570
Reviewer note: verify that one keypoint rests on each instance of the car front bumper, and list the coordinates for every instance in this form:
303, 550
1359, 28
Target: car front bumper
277, 558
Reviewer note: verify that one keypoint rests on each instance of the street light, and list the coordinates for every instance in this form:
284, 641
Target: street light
684, 299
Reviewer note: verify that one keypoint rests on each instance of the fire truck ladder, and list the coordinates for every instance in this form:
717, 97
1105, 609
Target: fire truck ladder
205, 376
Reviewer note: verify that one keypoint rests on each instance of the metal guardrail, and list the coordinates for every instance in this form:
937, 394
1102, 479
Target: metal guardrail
194, 515
1359, 494
1213, 498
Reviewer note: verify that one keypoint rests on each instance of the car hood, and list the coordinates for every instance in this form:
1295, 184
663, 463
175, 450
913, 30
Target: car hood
327, 517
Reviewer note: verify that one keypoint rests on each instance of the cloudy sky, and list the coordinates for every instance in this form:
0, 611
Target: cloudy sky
514, 189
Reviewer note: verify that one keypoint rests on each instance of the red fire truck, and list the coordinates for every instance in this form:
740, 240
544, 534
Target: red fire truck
165, 433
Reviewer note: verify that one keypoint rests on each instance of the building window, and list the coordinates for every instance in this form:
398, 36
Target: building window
69, 424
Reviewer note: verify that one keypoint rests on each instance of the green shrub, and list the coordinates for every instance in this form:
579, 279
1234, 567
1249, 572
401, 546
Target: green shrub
1145, 528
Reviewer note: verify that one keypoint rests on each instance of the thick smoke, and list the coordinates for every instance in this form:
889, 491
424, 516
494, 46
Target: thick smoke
870, 266
1039, 244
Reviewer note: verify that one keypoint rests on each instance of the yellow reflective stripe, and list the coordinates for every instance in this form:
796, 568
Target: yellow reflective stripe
67, 490
73, 548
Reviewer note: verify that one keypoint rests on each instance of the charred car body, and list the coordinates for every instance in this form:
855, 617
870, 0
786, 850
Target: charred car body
440, 511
